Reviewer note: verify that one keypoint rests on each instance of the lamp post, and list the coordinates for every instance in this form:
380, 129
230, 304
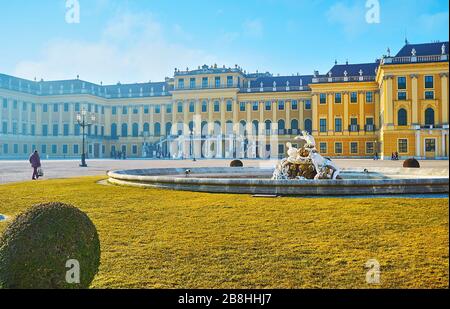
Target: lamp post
83, 122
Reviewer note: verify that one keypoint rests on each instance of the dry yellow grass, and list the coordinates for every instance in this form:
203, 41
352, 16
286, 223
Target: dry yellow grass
153, 238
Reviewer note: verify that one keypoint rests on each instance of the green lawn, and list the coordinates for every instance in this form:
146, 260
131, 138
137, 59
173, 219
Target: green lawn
153, 238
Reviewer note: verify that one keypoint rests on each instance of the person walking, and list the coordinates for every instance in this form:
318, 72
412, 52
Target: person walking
35, 162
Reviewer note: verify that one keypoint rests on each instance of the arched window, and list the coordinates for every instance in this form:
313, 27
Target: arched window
146, 127
192, 107
191, 126
308, 125
402, 117
294, 124
429, 116
157, 129
242, 129
204, 128
204, 106
217, 128
168, 128
135, 130
113, 130
268, 126
255, 127
281, 126
124, 130
180, 107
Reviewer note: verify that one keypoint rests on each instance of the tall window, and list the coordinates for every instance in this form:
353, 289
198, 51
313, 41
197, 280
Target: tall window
255, 106
124, 130
401, 82
158, 109
268, 105
294, 105
337, 97
192, 83
180, 107
55, 107
323, 147
44, 130
294, 124
229, 105
354, 97
217, 81
307, 104
242, 106
191, 107
429, 116
168, 108
338, 124
369, 97
66, 129
113, 110
403, 145
229, 81
308, 125
338, 147
216, 106
146, 127
429, 82
369, 147
268, 126
181, 83
281, 126
402, 117
323, 98
281, 105
124, 110
353, 147
204, 106
157, 129
135, 130
205, 82
323, 125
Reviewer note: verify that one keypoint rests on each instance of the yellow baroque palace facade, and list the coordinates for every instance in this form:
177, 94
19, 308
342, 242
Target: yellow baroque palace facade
395, 104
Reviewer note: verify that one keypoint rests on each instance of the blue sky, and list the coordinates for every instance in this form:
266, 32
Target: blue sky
137, 41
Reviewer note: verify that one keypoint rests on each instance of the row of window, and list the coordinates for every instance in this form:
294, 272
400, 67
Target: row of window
428, 82
428, 95
353, 147
205, 82
353, 126
338, 97
43, 149
402, 117
217, 127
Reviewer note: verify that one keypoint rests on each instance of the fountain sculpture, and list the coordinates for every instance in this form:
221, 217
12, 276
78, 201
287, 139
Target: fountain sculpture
305, 163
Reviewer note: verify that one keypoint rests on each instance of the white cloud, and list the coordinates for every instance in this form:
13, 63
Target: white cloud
253, 28
132, 48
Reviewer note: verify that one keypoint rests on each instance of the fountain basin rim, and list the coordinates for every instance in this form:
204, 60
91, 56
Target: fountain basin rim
173, 178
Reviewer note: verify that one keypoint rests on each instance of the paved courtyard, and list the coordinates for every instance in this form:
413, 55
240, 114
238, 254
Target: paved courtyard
20, 170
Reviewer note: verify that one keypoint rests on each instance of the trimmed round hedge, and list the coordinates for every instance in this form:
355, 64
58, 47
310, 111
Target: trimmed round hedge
411, 163
37, 244
236, 163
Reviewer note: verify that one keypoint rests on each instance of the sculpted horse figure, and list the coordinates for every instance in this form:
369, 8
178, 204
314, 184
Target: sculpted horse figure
308, 138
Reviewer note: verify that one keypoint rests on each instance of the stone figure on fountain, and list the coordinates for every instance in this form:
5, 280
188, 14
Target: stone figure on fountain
306, 162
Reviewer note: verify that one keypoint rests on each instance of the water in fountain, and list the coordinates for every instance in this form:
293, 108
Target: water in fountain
305, 163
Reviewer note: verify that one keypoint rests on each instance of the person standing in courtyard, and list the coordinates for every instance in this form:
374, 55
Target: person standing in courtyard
35, 162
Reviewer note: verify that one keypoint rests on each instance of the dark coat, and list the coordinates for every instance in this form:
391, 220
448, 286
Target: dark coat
35, 160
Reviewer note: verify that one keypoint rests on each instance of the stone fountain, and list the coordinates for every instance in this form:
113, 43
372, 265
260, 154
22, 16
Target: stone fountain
305, 163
